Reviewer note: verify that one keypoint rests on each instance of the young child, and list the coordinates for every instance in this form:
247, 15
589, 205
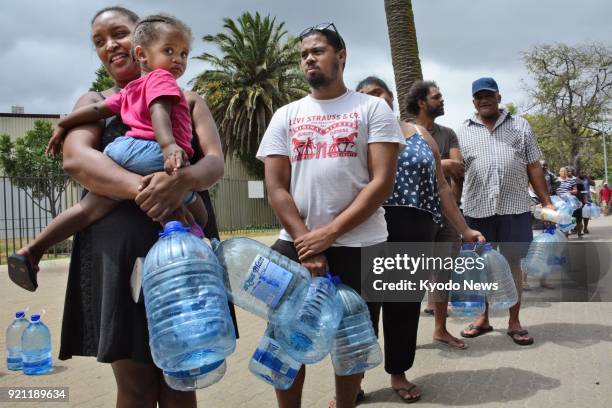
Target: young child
159, 138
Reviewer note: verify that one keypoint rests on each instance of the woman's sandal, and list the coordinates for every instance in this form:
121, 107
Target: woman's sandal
411, 397
22, 270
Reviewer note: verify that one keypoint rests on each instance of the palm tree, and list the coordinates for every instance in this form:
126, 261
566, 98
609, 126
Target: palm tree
404, 48
256, 74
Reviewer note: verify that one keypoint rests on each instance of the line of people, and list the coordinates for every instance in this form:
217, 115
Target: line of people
341, 172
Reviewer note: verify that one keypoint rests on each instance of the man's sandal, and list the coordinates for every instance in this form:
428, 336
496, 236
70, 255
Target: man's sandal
479, 331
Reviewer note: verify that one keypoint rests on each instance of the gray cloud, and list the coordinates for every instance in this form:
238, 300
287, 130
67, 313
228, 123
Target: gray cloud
48, 61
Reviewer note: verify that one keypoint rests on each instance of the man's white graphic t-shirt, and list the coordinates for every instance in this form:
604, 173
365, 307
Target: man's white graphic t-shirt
327, 144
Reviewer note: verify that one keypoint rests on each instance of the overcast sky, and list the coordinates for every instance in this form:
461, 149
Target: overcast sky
47, 58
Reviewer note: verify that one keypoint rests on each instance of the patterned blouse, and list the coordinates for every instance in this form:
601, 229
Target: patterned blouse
415, 181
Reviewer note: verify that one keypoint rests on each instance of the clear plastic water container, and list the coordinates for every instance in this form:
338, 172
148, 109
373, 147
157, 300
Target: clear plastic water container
470, 299
355, 348
36, 347
498, 271
536, 264
13, 341
190, 326
272, 364
307, 322
259, 279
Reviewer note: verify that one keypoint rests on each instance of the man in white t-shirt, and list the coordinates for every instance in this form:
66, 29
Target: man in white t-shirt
330, 162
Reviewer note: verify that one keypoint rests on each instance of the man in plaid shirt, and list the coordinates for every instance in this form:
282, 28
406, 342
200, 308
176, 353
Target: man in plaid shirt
501, 158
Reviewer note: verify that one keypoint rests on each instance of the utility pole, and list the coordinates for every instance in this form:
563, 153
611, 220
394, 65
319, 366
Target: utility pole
605, 152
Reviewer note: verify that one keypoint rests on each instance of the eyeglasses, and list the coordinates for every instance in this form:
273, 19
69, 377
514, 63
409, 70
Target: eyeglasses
323, 27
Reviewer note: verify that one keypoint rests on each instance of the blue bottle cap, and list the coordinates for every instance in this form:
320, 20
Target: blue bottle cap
20, 314
335, 279
468, 246
487, 247
173, 226
550, 230
35, 317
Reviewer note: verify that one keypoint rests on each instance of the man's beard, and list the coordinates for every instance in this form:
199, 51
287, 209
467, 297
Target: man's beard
435, 112
320, 80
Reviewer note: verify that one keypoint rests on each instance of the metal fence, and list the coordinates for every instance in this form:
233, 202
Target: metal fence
24, 214
26, 211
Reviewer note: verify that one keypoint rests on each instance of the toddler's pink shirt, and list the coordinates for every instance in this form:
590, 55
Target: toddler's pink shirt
133, 101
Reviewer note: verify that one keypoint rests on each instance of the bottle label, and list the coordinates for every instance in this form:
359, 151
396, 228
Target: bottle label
266, 281
267, 355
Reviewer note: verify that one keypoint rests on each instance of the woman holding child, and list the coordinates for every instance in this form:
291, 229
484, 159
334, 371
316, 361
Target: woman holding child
100, 318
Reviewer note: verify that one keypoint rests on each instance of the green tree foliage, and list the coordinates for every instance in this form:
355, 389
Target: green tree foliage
572, 97
257, 73
404, 49
25, 162
103, 81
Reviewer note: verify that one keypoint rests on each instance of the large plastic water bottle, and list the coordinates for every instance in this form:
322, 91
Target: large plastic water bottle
36, 347
190, 327
498, 271
13, 341
355, 347
573, 202
307, 322
586, 211
541, 249
595, 210
259, 279
470, 299
558, 260
272, 364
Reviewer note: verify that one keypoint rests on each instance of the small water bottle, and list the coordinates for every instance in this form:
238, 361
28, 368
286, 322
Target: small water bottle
469, 300
36, 347
307, 322
541, 249
190, 327
355, 347
259, 279
272, 364
498, 271
13, 341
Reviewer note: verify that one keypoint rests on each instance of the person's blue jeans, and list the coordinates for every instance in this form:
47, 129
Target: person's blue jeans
139, 156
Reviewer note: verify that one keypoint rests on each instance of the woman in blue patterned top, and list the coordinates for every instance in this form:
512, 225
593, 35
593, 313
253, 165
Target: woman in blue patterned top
413, 213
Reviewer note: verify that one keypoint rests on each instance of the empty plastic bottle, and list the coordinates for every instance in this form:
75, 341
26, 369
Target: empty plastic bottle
573, 202
272, 364
470, 299
586, 211
307, 322
558, 260
541, 249
304, 311
595, 210
498, 271
13, 341
259, 279
190, 327
36, 347
355, 347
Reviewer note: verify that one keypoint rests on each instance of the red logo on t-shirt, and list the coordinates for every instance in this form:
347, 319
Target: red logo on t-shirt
331, 136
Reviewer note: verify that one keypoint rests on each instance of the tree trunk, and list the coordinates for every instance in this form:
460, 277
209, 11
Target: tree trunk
404, 48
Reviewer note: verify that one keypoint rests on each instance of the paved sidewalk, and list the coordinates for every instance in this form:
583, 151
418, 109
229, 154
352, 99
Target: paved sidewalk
570, 364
